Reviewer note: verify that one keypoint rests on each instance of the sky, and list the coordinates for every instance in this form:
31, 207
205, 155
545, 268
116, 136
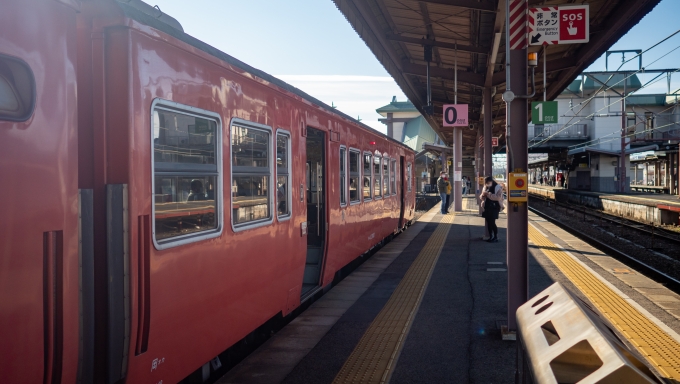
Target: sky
309, 44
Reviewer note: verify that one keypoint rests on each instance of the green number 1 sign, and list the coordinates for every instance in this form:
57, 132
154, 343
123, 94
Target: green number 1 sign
544, 112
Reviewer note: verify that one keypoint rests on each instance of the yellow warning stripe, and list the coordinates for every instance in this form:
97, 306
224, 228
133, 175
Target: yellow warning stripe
660, 350
375, 356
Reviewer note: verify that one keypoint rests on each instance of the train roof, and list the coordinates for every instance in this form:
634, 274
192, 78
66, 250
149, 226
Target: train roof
138, 12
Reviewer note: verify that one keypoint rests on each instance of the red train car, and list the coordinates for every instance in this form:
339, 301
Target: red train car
222, 197
39, 266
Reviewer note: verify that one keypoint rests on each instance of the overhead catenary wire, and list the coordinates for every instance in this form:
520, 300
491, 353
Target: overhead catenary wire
587, 101
595, 113
596, 141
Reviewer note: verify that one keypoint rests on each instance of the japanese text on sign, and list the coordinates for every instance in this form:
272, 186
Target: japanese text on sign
559, 25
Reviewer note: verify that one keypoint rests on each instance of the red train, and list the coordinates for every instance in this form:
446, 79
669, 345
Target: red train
161, 199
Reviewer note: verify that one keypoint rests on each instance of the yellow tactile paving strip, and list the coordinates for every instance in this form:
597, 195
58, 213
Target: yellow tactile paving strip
660, 350
374, 357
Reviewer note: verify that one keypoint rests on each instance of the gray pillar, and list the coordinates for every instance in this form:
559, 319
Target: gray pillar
479, 167
390, 126
488, 132
517, 232
457, 169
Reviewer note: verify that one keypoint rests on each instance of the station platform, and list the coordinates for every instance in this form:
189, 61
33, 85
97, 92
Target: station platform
429, 306
657, 208
647, 199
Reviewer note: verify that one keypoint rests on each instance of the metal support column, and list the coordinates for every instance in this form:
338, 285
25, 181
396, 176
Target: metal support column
479, 166
622, 159
457, 169
517, 161
488, 132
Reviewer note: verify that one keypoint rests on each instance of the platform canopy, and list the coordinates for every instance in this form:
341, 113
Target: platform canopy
396, 30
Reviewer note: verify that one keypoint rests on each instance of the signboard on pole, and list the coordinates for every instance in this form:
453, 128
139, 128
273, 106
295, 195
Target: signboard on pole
559, 25
455, 115
494, 141
544, 112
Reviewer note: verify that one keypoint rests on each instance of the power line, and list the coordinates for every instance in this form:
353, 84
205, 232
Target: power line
567, 125
587, 101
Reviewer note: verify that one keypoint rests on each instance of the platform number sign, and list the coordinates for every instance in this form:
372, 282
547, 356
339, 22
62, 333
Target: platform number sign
455, 115
544, 112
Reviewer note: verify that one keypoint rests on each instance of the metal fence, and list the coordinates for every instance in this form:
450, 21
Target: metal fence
653, 127
558, 132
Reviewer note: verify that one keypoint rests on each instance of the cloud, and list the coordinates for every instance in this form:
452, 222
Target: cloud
357, 96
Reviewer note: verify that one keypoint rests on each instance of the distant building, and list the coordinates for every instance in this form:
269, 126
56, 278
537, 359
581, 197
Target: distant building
404, 123
590, 127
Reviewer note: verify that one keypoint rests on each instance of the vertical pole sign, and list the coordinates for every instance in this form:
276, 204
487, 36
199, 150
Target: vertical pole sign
456, 116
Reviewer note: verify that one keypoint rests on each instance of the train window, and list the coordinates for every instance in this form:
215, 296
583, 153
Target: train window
343, 176
17, 89
393, 173
186, 174
377, 181
283, 192
386, 177
354, 176
368, 160
251, 174
408, 177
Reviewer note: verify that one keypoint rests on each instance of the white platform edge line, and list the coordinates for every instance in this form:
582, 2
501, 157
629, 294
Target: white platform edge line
538, 230
632, 302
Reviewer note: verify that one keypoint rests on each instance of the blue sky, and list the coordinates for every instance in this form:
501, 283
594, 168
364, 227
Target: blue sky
309, 44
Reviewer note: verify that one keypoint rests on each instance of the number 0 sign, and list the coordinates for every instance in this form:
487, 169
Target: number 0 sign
455, 115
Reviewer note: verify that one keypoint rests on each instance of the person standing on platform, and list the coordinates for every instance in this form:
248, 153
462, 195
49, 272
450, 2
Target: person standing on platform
449, 190
492, 202
442, 187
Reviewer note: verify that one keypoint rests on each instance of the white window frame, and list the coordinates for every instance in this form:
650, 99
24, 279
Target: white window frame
360, 190
286, 217
386, 177
408, 176
272, 172
219, 184
379, 157
370, 176
340, 173
393, 176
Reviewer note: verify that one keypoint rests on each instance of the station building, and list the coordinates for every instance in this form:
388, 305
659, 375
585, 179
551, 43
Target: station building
585, 146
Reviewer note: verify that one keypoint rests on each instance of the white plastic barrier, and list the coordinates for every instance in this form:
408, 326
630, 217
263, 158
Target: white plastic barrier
565, 341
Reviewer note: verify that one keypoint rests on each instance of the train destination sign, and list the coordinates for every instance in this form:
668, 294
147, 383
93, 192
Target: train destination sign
455, 115
559, 25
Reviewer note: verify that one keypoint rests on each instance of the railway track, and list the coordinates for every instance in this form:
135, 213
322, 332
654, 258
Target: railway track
646, 248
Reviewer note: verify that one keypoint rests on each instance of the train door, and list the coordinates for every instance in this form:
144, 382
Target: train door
316, 210
402, 181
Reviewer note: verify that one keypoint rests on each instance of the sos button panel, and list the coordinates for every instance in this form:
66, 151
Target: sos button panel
517, 187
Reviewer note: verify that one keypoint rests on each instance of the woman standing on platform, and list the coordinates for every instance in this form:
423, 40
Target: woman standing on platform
492, 202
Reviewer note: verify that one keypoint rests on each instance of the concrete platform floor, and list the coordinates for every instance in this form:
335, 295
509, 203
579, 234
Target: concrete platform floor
455, 335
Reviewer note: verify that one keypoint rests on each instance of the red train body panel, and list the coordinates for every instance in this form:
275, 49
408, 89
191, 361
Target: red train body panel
39, 198
164, 309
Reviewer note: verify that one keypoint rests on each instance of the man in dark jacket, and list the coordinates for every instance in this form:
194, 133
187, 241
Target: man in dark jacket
442, 187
